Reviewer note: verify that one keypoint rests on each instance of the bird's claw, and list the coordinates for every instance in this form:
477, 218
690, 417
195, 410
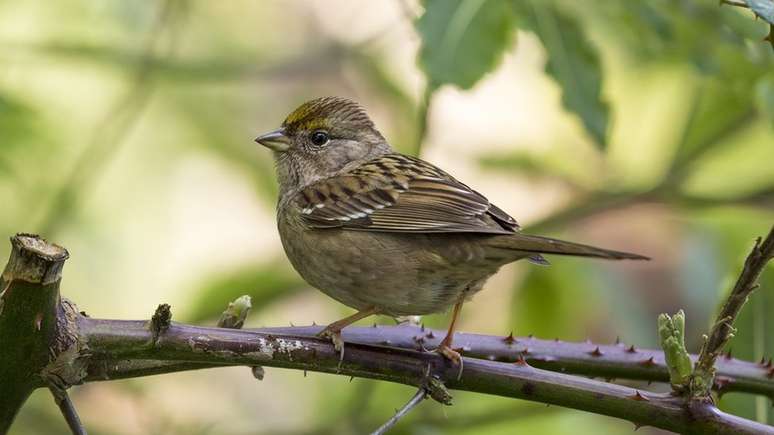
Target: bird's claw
452, 355
335, 337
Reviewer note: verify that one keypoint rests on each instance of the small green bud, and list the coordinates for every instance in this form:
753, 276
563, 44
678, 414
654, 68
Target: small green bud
671, 330
236, 313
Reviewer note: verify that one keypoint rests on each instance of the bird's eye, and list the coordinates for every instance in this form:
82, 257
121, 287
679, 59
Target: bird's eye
319, 138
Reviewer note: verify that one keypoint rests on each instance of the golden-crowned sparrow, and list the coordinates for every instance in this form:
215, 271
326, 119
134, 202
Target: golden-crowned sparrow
387, 233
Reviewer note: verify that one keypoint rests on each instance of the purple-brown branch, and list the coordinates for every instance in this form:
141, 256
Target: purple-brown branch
80, 349
130, 340
723, 329
613, 361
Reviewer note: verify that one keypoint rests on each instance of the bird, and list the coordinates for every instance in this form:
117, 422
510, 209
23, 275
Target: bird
387, 233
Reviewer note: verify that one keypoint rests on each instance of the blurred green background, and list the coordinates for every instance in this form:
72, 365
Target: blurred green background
126, 135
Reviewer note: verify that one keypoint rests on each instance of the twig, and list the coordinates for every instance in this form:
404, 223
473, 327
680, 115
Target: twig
419, 396
723, 329
69, 412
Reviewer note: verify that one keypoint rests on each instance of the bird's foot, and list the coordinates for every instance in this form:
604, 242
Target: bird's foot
335, 337
447, 352
452, 355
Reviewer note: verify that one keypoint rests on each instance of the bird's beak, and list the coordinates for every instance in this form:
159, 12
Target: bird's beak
275, 140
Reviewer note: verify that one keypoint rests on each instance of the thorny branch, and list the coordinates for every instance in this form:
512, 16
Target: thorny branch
119, 349
723, 329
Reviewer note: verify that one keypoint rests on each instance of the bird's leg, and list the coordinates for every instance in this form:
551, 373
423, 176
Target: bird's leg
333, 331
445, 348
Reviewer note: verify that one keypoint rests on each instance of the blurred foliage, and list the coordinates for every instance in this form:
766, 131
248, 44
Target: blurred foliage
463, 40
111, 114
264, 283
572, 61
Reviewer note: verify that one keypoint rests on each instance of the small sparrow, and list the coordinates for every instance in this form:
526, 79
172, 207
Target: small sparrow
386, 233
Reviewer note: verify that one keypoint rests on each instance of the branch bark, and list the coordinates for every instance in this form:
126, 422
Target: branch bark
723, 329
29, 302
67, 348
116, 340
606, 361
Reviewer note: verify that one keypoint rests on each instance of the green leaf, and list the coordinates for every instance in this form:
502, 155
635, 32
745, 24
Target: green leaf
573, 63
263, 283
463, 40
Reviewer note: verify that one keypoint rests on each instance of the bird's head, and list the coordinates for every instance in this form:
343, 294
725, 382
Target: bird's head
320, 138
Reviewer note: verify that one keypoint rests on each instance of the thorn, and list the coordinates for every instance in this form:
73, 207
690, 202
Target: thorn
509, 339
762, 362
314, 323
637, 426
721, 382
351, 378
520, 361
430, 335
631, 349
768, 364
727, 356
596, 352
304, 373
650, 362
639, 397
617, 340
526, 351
374, 325
292, 325
530, 336
556, 340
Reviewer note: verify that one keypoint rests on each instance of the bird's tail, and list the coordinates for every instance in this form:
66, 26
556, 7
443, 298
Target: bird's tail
544, 245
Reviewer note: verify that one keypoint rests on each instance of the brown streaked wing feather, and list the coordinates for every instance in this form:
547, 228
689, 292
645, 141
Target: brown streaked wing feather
396, 193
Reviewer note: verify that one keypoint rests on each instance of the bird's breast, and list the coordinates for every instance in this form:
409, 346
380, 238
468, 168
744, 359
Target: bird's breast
402, 274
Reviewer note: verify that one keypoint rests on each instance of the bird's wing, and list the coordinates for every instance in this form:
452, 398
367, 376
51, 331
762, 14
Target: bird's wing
397, 193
